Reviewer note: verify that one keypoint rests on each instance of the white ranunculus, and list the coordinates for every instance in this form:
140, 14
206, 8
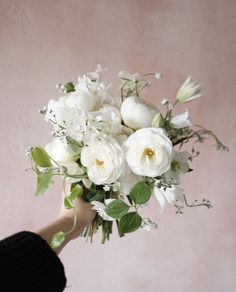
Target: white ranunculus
104, 161
136, 113
181, 121
148, 152
58, 151
188, 91
167, 196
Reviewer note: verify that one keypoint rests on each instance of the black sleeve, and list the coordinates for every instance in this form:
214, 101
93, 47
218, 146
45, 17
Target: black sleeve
28, 264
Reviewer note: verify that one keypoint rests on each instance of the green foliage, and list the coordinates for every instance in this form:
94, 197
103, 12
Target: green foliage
69, 86
116, 209
130, 222
57, 239
40, 157
44, 180
68, 203
77, 191
140, 193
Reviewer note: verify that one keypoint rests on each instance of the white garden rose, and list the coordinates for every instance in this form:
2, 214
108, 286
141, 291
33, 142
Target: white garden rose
104, 161
136, 113
148, 152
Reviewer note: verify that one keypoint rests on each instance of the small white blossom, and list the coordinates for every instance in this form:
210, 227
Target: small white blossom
158, 75
106, 188
188, 91
148, 224
100, 208
181, 121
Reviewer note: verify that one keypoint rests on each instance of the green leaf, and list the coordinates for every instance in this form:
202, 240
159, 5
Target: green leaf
76, 192
130, 222
68, 203
116, 209
69, 87
57, 239
44, 180
40, 157
91, 196
140, 193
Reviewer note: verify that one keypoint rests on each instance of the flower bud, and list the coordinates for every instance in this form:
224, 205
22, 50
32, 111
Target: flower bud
158, 121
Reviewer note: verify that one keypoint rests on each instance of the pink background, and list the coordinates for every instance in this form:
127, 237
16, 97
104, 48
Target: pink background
45, 42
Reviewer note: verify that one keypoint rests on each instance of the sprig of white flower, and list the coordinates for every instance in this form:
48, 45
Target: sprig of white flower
188, 91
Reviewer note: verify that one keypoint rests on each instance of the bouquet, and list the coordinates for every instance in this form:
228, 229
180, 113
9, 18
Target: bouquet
116, 153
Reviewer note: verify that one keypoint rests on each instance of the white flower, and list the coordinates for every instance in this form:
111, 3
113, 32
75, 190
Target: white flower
148, 224
59, 113
158, 76
128, 180
179, 165
58, 151
100, 208
148, 152
136, 113
181, 121
83, 99
167, 196
188, 91
104, 161
73, 169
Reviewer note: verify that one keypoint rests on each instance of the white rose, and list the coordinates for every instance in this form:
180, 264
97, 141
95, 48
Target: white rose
104, 161
148, 152
57, 150
136, 113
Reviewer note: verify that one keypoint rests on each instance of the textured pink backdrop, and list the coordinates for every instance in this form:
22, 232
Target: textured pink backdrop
45, 42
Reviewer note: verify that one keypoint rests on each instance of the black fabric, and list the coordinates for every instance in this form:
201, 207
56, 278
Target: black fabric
28, 264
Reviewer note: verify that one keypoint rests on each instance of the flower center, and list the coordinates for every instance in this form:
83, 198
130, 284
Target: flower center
175, 165
99, 162
149, 152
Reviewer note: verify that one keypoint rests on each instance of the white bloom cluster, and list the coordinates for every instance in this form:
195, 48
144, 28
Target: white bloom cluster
117, 147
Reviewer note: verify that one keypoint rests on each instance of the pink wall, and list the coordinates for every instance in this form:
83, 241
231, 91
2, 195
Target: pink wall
49, 41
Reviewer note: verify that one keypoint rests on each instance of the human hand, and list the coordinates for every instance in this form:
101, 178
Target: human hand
82, 211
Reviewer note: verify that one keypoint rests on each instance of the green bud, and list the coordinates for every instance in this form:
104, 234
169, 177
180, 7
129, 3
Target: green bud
158, 121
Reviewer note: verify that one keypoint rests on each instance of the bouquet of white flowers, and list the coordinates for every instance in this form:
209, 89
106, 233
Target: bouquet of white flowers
117, 153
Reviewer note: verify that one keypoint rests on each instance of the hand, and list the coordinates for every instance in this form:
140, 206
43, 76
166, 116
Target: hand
84, 214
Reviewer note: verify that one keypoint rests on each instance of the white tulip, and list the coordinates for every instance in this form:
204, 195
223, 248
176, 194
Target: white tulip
188, 91
148, 152
136, 113
167, 196
181, 121
104, 161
